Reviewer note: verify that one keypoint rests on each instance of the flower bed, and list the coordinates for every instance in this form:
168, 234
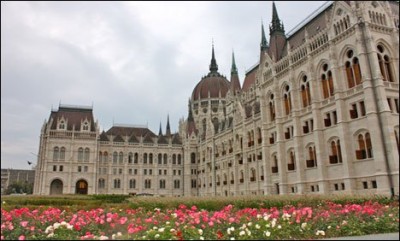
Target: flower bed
327, 219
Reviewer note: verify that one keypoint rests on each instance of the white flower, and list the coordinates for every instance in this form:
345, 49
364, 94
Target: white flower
279, 227
172, 230
249, 224
155, 227
266, 217
320, 232
259, 216
303, 225
156, 236
63, 223
174, 215
201, 238
286, 216
258, 226
167, 222
232, 238
242, 233
70, 226
248, 232
200, 231
50, 235
267, 233
4, 202
119, 234
157, 209
273, 223
56, 225
329, 227
49, 229
161, 230
102, 237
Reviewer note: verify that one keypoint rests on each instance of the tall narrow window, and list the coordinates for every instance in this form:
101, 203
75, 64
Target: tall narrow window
87, 154
287, 100
385, 64
115, 157
327, 81
353, 71
305, 92
80, 154
56, 153
272, 107
62, 154
364, 146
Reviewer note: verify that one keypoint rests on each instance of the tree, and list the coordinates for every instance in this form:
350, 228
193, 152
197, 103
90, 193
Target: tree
19, 187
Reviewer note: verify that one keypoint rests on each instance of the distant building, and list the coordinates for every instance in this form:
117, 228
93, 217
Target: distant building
317, 114
9, 176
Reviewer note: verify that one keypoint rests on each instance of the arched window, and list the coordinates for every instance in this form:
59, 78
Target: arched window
159, 158
150, 158
179, 159
56, 153
364, 146
80, 154
102, 183
287, 100
165, 158
121, 157
232, 178
193, 158
353, 71
130, 157
145, 158
87, 154
241, 177
292, 161
62, 153
336, 153
162, 184
115, 157
275, 168
327, 81
305, 91
385, 64
312, 158
136, 158
272, 107
117, 183
105, 157
132, 183
252, 175
147, 183
174, 159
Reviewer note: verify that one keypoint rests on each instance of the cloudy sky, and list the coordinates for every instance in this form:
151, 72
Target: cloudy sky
134, 62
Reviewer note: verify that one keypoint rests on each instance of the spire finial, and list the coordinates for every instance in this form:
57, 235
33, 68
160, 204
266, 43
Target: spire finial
160, 131
168, 131
213, 65
233, 68
264, 43
276, 24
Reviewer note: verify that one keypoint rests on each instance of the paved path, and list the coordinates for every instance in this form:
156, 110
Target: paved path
383, 236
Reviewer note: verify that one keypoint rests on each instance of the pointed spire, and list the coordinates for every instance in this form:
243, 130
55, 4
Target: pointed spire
168, 130
264, 43
276, 24
233, 68
213, 65
160, 131
235, 83
190, 115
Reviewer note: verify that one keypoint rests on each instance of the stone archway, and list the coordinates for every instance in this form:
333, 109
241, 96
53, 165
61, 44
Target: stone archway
56, 187
81, 187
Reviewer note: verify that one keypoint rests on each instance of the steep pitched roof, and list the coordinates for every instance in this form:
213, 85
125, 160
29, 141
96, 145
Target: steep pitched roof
74, 115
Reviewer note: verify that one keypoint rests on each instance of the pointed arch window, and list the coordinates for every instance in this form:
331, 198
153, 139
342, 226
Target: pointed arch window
292, 161
252, 175
312, 158
132, 183
87, 154
121, 157
62, 154
305, 91
115, 157
274, 167
241, 177
353, 71
385, 64
56, 153
117, 183
335, 153
80, 154
287, 100
102, 183
61, 125
162, 184
327, 82
272, 107
105, 157
364, 146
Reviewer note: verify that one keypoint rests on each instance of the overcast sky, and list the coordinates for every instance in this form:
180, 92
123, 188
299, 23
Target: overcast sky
134, 62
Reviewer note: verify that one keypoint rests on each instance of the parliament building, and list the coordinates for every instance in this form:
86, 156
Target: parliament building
318, 113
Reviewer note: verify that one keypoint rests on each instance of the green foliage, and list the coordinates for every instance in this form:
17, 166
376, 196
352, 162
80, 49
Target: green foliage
19, 187
111, 198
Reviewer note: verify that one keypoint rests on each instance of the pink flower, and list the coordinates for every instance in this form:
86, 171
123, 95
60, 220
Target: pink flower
24, 223
123, 220
22, 237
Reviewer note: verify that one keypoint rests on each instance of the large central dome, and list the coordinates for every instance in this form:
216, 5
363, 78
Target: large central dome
213, 85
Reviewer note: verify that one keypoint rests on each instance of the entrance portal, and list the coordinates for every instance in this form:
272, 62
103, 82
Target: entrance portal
81, 187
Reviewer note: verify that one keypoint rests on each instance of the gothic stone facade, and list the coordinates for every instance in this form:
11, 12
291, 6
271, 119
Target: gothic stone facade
317, 114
